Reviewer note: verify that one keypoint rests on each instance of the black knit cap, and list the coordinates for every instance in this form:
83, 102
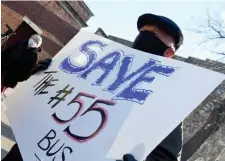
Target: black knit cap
164, 24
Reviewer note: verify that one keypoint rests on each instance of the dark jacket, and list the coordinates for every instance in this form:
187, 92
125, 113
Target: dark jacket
169, 148
17, 63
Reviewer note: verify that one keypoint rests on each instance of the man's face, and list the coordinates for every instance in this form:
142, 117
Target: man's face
164, 37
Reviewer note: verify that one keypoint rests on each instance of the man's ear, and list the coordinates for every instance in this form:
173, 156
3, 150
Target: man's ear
169, 53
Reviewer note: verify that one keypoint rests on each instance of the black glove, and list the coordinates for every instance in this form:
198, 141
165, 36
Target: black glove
42, 65
128, 157
45, 61
13, 154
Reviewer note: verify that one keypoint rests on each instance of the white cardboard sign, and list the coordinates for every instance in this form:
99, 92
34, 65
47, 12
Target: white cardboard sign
100, 100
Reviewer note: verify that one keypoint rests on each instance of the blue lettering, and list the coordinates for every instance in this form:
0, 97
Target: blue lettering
140, 95
163, 70
122, 75
136, 95
66, 65
106, 64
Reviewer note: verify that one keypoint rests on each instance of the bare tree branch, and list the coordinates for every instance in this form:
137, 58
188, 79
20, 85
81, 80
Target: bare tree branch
212, 27
213, 123
213, 34
220, 53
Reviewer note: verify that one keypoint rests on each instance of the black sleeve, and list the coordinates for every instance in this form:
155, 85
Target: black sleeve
6, 56
41, 65
11, 54
13, 154
10, 50
25, 67
169, 148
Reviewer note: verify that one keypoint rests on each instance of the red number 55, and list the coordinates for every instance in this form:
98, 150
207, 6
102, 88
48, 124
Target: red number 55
93, 108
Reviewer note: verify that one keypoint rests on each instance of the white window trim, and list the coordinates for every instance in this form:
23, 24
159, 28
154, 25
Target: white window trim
32, 25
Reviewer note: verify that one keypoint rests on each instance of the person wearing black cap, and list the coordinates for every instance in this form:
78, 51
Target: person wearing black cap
159, 35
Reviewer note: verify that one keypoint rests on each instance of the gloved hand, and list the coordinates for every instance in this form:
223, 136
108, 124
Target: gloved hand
128, 157
45, 61
42, 65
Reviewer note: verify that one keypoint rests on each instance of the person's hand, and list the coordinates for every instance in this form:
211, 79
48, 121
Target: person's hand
128, 157
41, 65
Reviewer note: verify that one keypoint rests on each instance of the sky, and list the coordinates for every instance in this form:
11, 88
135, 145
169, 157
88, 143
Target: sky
119, 18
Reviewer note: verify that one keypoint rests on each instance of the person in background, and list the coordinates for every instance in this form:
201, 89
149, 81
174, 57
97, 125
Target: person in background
20, 61
160, 36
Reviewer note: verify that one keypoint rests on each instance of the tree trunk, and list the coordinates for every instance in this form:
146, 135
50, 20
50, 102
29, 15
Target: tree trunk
215, 118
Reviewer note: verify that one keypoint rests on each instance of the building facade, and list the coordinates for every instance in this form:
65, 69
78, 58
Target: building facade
121, 41
56, 21
100, 32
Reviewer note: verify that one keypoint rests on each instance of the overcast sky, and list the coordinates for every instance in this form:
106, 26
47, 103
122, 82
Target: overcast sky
119, 18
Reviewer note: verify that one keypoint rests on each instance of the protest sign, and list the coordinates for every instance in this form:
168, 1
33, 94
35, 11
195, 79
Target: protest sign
100, 100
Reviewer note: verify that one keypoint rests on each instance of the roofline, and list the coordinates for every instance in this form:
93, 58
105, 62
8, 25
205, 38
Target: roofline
85, 6
69, 9
101, 31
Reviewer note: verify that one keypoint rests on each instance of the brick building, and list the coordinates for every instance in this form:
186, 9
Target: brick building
56, 21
